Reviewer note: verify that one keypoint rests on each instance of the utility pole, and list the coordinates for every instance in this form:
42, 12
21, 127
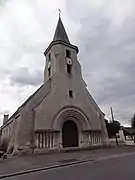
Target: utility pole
113, 122
112, 114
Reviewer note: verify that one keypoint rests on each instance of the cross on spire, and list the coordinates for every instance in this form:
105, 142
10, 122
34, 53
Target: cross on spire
59, 12
60, 32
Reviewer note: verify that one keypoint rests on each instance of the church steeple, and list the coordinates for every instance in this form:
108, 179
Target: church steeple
60, 37
61, 56
60, 33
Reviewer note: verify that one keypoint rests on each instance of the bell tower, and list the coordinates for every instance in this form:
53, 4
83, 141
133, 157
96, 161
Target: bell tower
61, 55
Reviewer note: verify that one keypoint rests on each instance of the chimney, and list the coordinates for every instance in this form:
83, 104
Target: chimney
5, 119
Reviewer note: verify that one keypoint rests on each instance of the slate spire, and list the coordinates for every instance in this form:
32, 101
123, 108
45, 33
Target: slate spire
60, 33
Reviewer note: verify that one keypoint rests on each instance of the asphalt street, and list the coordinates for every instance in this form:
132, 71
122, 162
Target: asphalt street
113, 167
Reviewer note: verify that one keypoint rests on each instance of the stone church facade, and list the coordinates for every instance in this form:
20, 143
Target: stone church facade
61, 113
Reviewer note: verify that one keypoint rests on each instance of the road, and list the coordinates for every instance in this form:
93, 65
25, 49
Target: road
118, 167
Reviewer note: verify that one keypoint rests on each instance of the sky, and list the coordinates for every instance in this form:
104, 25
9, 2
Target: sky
104, 31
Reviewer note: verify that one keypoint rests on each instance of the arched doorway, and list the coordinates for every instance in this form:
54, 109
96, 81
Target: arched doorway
69, 134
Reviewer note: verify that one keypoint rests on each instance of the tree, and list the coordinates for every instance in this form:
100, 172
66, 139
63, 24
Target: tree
115, 126
133, 121
112, 127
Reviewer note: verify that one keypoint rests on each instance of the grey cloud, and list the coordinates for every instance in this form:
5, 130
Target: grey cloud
24, 76
107, 50
4, 72
3, 2
107, 54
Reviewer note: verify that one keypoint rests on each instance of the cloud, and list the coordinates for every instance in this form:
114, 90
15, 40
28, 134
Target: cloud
107, 45
104, 32
23, 39
24, 77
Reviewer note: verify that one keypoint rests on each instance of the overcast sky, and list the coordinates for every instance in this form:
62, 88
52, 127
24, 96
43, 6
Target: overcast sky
104, 31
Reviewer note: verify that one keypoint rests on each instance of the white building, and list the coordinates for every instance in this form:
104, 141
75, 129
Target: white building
61, 113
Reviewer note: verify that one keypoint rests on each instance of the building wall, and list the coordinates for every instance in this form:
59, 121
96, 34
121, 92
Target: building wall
37, 119
58, 98
14, 133
6, 132
24, 138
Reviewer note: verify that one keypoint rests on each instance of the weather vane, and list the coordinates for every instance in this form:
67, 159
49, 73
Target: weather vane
59, 11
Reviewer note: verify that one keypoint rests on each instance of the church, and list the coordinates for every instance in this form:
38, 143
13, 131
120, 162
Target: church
61, 114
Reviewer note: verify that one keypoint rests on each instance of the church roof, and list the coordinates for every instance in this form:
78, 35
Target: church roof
60, 32
33, 100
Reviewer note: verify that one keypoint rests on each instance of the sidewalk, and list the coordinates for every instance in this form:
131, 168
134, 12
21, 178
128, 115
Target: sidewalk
22, 163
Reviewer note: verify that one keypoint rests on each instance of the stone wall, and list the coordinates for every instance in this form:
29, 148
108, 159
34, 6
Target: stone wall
24, 139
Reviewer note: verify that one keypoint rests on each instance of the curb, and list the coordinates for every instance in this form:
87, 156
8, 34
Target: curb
45, 168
